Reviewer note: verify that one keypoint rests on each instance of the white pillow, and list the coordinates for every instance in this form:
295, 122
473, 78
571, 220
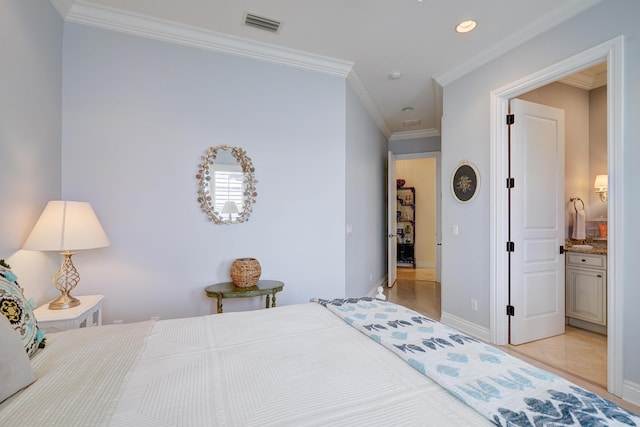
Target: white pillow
15, 368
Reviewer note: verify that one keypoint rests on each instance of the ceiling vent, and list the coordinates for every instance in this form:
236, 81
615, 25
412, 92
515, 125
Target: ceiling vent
261, 22
410, 123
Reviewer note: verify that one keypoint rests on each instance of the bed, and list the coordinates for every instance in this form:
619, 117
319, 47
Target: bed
345, 362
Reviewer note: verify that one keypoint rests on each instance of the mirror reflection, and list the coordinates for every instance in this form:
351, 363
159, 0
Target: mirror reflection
226, 185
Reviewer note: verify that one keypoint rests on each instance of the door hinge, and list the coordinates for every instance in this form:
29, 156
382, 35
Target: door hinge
511, 311
561, 249
511, 182
511, 247
511, 119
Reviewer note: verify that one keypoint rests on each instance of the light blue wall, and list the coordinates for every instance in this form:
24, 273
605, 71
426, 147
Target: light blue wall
127, 135
137, 116
366, 157
466, 136
30, 120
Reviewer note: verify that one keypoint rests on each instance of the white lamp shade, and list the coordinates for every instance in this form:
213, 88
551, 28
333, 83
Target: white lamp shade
602, 182
67, 226
230, 207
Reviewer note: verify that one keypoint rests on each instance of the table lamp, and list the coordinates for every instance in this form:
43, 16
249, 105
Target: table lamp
230, 207
66, 227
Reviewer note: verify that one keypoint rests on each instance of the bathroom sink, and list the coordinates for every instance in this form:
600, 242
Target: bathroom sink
584, 247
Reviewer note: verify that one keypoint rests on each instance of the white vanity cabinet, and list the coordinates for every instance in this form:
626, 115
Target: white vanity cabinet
586, 287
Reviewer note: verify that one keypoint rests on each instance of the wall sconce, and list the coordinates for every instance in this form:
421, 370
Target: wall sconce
66, 227
602, 186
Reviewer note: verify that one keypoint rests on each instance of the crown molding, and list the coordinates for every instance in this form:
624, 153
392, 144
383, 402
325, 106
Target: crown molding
414, 134
84, 12
580, 80
361, 90
566, 10
585, 80
63, 6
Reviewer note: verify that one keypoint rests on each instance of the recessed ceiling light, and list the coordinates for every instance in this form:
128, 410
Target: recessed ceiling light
466, 26
407, 109
395, 75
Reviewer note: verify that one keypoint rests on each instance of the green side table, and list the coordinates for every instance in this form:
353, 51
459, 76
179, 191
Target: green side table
229, 290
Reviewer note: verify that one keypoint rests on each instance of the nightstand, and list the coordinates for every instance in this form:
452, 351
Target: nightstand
87, 314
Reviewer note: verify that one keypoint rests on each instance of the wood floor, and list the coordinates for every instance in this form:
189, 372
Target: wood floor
563, 355
417, 290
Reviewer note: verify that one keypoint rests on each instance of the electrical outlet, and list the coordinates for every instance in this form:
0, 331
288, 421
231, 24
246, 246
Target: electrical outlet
117, 322
474, 305
155, 318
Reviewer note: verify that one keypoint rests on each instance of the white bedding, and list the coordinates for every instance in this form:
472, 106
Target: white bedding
80, 375
292, 365
507, 390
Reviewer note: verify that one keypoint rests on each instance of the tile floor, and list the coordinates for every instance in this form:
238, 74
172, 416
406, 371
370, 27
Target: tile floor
564, 355
578, 352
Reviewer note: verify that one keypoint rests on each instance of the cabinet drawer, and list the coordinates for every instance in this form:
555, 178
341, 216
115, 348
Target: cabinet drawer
587, 260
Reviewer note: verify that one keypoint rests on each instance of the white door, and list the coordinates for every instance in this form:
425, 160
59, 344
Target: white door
537, 222
392, 221
438, 202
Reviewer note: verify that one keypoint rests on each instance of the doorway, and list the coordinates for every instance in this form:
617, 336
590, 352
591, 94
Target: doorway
611, 52
581, 348
420, 172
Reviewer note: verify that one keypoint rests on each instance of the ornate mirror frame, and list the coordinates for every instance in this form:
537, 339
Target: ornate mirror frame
204, 177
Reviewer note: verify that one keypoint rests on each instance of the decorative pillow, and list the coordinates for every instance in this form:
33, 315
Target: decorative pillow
18, 310
15, 368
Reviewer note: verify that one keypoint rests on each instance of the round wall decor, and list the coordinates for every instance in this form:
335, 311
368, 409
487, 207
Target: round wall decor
465, 182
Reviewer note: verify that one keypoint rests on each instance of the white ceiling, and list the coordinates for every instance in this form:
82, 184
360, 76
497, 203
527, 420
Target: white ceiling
363, 40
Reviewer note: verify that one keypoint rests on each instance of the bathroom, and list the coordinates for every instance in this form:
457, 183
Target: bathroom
583, 97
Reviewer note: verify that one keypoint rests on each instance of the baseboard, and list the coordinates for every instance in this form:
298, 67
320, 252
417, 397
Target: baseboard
631, 392
425, 264
599, 329
466, 327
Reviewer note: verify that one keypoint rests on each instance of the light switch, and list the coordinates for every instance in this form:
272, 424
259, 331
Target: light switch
455, 230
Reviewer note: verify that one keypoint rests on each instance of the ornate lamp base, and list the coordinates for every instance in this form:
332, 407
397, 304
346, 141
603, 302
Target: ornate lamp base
65, 279
63, 301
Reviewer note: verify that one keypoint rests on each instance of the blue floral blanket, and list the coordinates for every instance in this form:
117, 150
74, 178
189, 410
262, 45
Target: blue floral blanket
506, 390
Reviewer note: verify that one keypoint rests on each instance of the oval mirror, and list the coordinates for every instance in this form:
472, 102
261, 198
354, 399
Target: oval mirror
226, 185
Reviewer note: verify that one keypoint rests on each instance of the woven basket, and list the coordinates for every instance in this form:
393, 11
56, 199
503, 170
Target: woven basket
245, 272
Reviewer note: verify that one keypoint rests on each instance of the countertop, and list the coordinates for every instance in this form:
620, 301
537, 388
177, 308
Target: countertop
599, 247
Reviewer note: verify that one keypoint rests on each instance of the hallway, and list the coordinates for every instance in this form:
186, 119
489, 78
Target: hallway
417, 289
563, 355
